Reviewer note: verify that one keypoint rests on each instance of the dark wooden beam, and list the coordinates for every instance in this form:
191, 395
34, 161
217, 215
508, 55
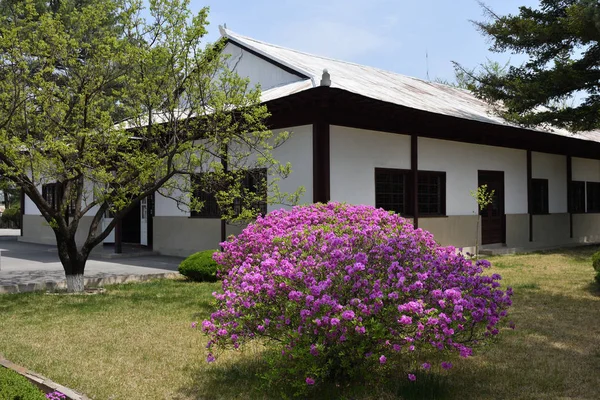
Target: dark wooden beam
321, 162
22, 208
570, 194
225, 166
529, 195
119, 237
356, 111
414, 171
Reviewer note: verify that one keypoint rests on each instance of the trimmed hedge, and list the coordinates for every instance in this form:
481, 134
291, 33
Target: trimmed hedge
596, 265
200, 267
16, 387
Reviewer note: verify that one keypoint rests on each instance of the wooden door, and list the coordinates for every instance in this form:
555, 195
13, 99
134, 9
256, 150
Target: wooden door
492, 217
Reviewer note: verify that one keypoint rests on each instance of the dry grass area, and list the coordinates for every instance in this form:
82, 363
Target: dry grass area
135, 342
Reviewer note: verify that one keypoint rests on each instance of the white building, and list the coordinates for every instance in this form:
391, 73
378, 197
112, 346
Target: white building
366, 136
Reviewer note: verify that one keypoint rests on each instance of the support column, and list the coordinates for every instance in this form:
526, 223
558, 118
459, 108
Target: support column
225, 165
119, 237
321, 162
22, 208
570, 194
529, 195
414, 170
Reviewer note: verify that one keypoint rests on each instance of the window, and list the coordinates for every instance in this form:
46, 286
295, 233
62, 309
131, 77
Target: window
390, 192
577, 197
394, 192
539, 191
50, 194
53, 194
431, 195
253, 181
593, 197
210, 208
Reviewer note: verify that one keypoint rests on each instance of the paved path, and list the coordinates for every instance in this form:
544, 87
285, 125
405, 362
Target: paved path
26, 267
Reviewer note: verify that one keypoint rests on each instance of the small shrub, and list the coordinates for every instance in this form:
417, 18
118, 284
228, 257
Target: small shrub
596, 265
349, 293
200, 267
11, 217
14, 386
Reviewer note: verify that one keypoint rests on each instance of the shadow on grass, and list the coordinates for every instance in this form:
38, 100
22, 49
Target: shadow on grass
242, 381
579, 254
593, 288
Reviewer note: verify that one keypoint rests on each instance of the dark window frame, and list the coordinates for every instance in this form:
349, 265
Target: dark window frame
52, 193
592, 204
540, 205
210, 210
211, 207
406, 204
441, 201
578, 204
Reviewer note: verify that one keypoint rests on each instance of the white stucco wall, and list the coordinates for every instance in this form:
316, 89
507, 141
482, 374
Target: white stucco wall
297, 150
554, 168
585, 169
462, 161
354, 155
30, 207
258, 70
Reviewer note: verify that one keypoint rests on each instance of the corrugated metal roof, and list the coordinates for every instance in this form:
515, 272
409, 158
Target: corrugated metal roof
382, 85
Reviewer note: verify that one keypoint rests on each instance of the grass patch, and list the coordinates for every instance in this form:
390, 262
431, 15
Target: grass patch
135, 342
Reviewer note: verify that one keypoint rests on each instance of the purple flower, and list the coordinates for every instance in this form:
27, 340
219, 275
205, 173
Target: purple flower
382, 359
426, 366
447, 365
335, 321
210, 358
348, 315
310, 381
405, 320
412, 378
194, 324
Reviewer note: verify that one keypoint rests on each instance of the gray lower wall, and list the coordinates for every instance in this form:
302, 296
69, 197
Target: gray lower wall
586, 228
517, 230
182, 236
454, 230
551, 229
37, 230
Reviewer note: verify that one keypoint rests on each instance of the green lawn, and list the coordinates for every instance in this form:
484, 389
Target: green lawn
135, 342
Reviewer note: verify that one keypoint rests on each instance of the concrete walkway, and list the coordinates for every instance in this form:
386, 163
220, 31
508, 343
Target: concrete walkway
26, 267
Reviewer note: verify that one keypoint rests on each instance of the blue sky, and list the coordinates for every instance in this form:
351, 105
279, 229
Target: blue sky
390, 34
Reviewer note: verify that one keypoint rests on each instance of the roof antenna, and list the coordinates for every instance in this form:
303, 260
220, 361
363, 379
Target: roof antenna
427, 63
326, 78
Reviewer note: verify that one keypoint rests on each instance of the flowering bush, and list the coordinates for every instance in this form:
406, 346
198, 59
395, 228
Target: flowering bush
56, 395
350, 290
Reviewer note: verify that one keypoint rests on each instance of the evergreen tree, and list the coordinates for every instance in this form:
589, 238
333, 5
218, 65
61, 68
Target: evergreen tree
561, 39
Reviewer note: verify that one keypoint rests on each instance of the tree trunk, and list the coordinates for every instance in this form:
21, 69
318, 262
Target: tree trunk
73, 261
75, 283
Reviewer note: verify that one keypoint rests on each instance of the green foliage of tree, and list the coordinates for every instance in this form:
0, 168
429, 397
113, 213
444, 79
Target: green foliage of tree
561, 39
115, 100
467, 78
